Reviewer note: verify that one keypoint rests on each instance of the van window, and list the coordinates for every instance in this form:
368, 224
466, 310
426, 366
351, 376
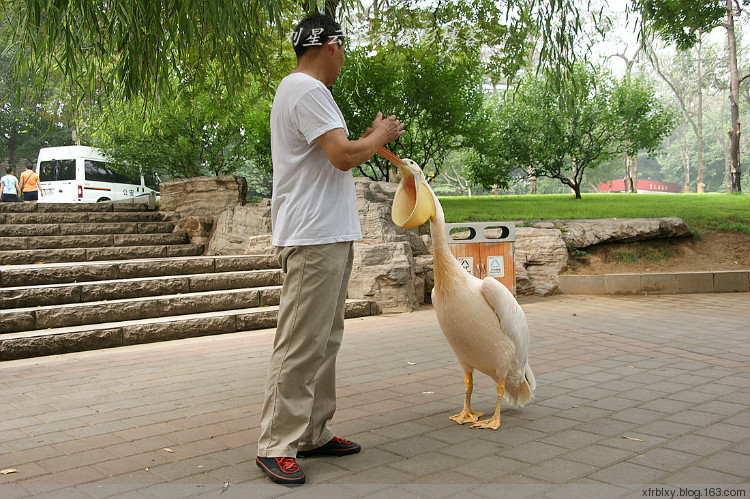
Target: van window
57, 169
97, 171
151, 181
122, 178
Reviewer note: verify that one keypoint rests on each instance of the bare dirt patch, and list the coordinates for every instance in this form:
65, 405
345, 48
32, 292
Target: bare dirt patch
715, 250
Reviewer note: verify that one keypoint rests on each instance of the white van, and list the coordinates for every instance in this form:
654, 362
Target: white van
79, 174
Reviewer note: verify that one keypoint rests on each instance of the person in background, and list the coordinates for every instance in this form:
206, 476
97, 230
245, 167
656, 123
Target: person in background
10, 186
315, 221
30, 184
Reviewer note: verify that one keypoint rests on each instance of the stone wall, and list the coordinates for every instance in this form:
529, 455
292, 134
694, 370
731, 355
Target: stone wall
385, 267
197, 201
393, 266
204, 197
243, 229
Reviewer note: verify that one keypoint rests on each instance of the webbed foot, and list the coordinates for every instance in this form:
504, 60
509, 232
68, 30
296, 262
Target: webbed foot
467, 416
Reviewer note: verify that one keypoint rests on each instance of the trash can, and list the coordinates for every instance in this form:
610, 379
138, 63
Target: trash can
485, 249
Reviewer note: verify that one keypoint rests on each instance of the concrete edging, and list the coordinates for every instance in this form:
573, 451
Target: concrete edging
731, 281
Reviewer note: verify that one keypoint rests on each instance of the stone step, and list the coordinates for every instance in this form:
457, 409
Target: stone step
73, 229
71, 207
38, 256
118, 289
85, 217
95, 312
92, 241
58, 273
112, 334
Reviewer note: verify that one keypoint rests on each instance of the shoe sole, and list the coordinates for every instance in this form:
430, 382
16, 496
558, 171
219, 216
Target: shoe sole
330, 452
281, 480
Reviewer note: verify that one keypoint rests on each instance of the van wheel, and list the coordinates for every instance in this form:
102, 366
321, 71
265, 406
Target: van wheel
102, 200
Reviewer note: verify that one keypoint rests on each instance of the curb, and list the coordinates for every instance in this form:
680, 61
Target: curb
681, 282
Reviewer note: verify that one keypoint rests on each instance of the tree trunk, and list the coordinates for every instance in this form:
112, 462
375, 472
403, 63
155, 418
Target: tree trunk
734, 96
684, 154
722, 140
628, 180
532, 180
701, 187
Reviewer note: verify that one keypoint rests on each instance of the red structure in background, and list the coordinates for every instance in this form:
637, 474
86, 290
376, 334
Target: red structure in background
645, 186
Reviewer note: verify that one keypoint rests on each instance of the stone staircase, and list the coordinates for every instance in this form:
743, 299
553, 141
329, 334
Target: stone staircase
81, 277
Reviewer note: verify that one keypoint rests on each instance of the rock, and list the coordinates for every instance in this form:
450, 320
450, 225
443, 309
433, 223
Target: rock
198, 228
243, 229
173, 330
34, 346
202, 196
214, 301
17, 321
540, 255
426, 271
385, 270
585, 233
385, 273
374, 201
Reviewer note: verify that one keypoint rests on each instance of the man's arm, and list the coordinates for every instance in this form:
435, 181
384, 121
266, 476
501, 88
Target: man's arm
346, 154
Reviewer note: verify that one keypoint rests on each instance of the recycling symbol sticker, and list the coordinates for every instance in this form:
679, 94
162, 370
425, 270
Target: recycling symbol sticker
495, 266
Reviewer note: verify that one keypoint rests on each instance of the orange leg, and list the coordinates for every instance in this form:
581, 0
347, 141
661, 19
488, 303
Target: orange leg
467, 415
494, 422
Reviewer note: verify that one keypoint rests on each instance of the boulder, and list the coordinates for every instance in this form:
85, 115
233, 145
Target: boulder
202, 196
585, 233
385, 269
386, 274
540, 255
198, 228
242, 229
374, 201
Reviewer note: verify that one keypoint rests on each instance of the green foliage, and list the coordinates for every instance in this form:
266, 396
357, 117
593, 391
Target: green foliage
132, 47
644, 120
458, 28
679, 21
439, 98
559, 135
639, 255
26, 124
697, 210
205, 130
575, 253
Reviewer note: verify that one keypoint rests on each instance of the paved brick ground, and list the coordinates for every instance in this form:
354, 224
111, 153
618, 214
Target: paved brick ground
638, 397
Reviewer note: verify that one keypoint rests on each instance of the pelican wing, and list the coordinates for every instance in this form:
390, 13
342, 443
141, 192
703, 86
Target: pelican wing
512, 319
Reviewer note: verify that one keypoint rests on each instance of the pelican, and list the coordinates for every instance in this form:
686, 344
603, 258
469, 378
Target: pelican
482, 321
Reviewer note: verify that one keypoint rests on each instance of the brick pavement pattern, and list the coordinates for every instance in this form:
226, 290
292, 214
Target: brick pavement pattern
637, 396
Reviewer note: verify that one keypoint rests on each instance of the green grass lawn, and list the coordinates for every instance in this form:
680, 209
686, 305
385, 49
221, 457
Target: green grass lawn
707, 211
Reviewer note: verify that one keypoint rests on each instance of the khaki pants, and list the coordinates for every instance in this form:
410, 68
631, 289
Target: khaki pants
301, 380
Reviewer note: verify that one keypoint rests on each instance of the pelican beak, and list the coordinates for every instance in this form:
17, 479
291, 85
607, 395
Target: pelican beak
413, 203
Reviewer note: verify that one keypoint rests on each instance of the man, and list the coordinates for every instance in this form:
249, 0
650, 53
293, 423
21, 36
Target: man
315, 221
30, 184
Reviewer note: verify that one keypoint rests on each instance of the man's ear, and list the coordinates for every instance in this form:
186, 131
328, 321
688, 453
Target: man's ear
331, 48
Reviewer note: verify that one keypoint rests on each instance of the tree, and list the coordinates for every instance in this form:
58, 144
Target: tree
26, 125
682, 22
561, 136
130, 47
643, 118
204, 131
446, 118
133, 47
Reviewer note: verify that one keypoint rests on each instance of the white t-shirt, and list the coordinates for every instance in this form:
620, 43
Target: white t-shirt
9, 184
313, 202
